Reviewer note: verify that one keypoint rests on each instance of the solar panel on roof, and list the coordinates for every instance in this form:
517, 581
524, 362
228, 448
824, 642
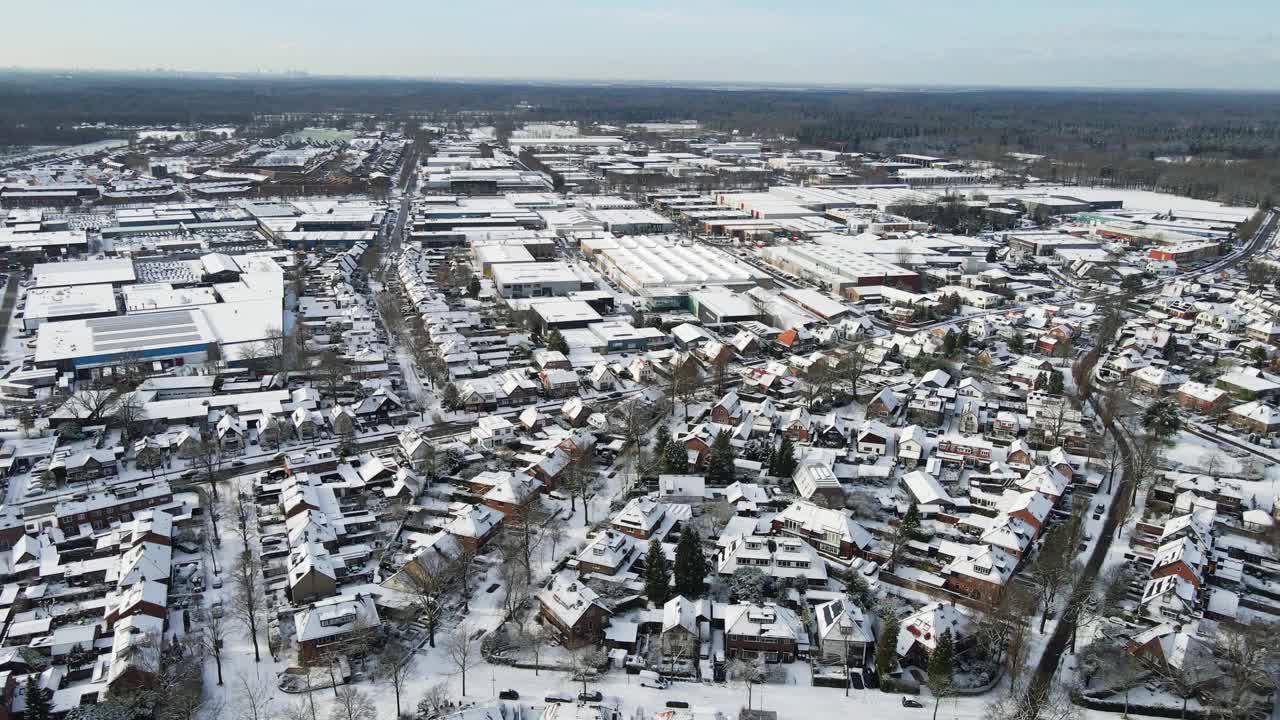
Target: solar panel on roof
167, 340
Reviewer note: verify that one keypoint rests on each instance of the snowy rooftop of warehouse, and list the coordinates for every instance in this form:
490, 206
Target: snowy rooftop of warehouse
84, 272
125, 334
58, 302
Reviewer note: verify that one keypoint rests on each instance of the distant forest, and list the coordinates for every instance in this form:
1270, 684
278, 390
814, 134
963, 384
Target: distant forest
1232, 139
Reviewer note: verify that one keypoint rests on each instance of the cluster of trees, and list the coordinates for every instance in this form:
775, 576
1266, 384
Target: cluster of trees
956, 217
688, 572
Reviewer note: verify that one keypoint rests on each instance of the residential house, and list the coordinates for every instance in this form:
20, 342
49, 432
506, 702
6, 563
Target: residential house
573, 612
844, 634
770, 632
830, 531
333, 623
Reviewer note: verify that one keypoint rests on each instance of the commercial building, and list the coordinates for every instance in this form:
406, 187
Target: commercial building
68, 303
633, 221
534, 279
840, 270
645, 264
178, 336
562, 314
1186, 252
85, 272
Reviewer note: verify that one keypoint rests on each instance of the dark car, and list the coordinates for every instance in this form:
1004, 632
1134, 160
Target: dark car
678, 704
593, 696
508, 695
908, 702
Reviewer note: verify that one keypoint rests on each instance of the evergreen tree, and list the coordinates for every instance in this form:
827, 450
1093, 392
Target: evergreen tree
451, 398
473, 288
784, 461
1055, 383
720, 461
1161, 419
991, 254
691, 564
675, 459
1017, 344
887, 648
859, 592
556, 341
657, 575
949, 344
1040, 382
660, 441
908, 529
37, 700
941, 672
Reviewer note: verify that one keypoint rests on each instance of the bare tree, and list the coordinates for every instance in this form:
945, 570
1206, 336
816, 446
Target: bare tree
393, 664
556, 534
207, 461
429, 583
581, 479
1052, 572
333, 370
211, 634
463, 567
1037, 702
1248, 658
299, 710
245, 512
130, 416
748, 673
462, 651
282, 348
433, 700
351, 704
252, 699
90, 407
248, 604
584, 662
524, 529
632, 420
515, 585
534, 638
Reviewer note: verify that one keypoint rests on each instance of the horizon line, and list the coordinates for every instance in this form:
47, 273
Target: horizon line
717, 85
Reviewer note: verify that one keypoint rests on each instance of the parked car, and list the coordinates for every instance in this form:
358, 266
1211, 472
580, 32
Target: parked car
508, 694
908, 702
651, 679
593, 696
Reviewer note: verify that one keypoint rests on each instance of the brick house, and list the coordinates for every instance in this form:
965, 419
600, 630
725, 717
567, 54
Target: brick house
829, 531
333, 622
573, 612
767, 631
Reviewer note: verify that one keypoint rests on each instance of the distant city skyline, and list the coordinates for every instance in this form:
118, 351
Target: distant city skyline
1132, 44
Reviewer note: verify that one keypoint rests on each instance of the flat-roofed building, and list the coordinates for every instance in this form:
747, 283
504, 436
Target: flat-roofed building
563, 314
40, 244
633, 221
530, 279
68, 303
646, 263
158, 297
840, 270
84, 272
178, 335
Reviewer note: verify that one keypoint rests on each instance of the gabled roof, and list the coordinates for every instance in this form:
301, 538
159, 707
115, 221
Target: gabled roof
568, 599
